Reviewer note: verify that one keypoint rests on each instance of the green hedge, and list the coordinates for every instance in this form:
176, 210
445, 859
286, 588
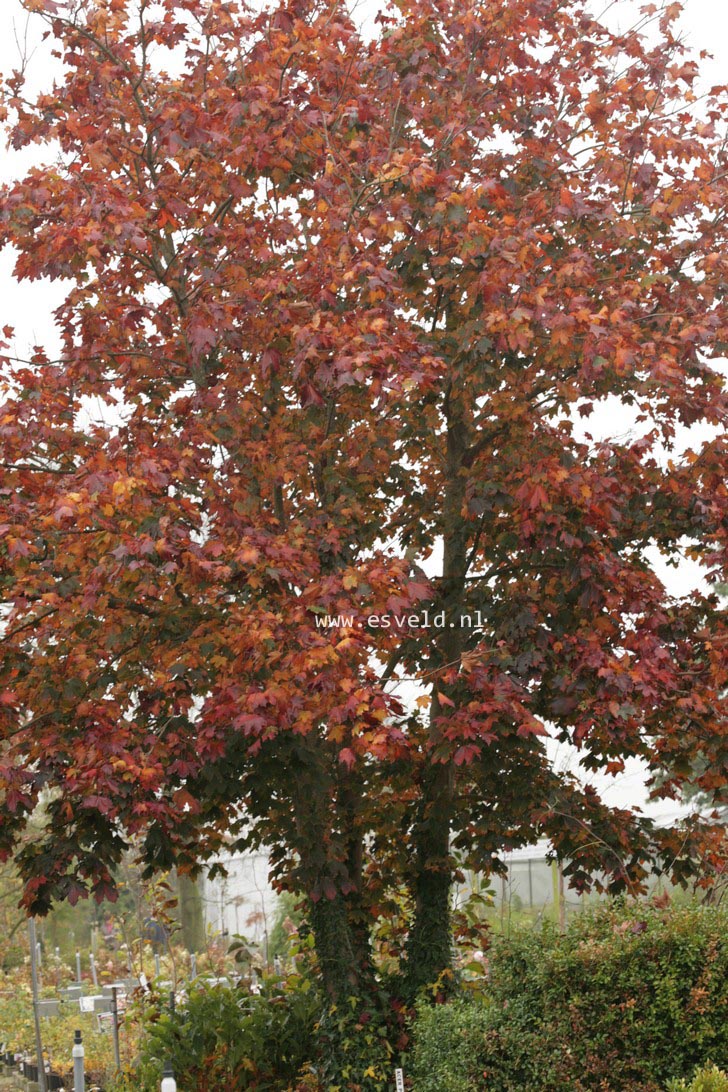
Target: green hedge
628, 998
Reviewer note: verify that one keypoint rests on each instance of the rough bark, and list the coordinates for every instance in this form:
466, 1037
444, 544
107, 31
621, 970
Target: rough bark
330, 850
429, 946
336, 948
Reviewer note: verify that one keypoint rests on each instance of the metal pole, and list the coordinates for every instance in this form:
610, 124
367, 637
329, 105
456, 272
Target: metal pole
34, 981
78, 966
555, 888
115, 1027
79, 1076
92, 962
169, 1084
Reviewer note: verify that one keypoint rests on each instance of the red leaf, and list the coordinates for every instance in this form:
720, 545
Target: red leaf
348, 757
466, 754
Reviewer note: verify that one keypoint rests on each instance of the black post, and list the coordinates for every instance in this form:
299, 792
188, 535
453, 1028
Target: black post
115, 1027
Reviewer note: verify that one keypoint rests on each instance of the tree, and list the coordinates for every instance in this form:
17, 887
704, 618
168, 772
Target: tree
348, 304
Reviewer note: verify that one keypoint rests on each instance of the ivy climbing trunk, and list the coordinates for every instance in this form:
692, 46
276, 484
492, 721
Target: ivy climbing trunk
429, 945
336, 948
330, 854
349, 802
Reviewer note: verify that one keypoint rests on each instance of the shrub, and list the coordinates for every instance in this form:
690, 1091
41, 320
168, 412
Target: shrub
11, 957
709, 1079
448, 1050
629, 997
224, 1038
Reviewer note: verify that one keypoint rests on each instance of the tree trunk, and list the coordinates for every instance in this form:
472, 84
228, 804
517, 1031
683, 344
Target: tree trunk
336, 948
347, 1059
329, 849
429, 945
326, 820
191, 914
349, 796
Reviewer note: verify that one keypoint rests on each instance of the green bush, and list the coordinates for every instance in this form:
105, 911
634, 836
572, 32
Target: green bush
448, 1047
709, 1079
224, 1038
629, 997
12, 957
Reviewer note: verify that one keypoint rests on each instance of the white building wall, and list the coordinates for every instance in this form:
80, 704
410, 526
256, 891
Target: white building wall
243, 903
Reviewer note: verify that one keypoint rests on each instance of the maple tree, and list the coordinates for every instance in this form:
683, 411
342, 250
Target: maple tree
348, 304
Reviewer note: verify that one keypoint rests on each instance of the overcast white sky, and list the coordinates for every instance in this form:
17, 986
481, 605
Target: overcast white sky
28, 307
